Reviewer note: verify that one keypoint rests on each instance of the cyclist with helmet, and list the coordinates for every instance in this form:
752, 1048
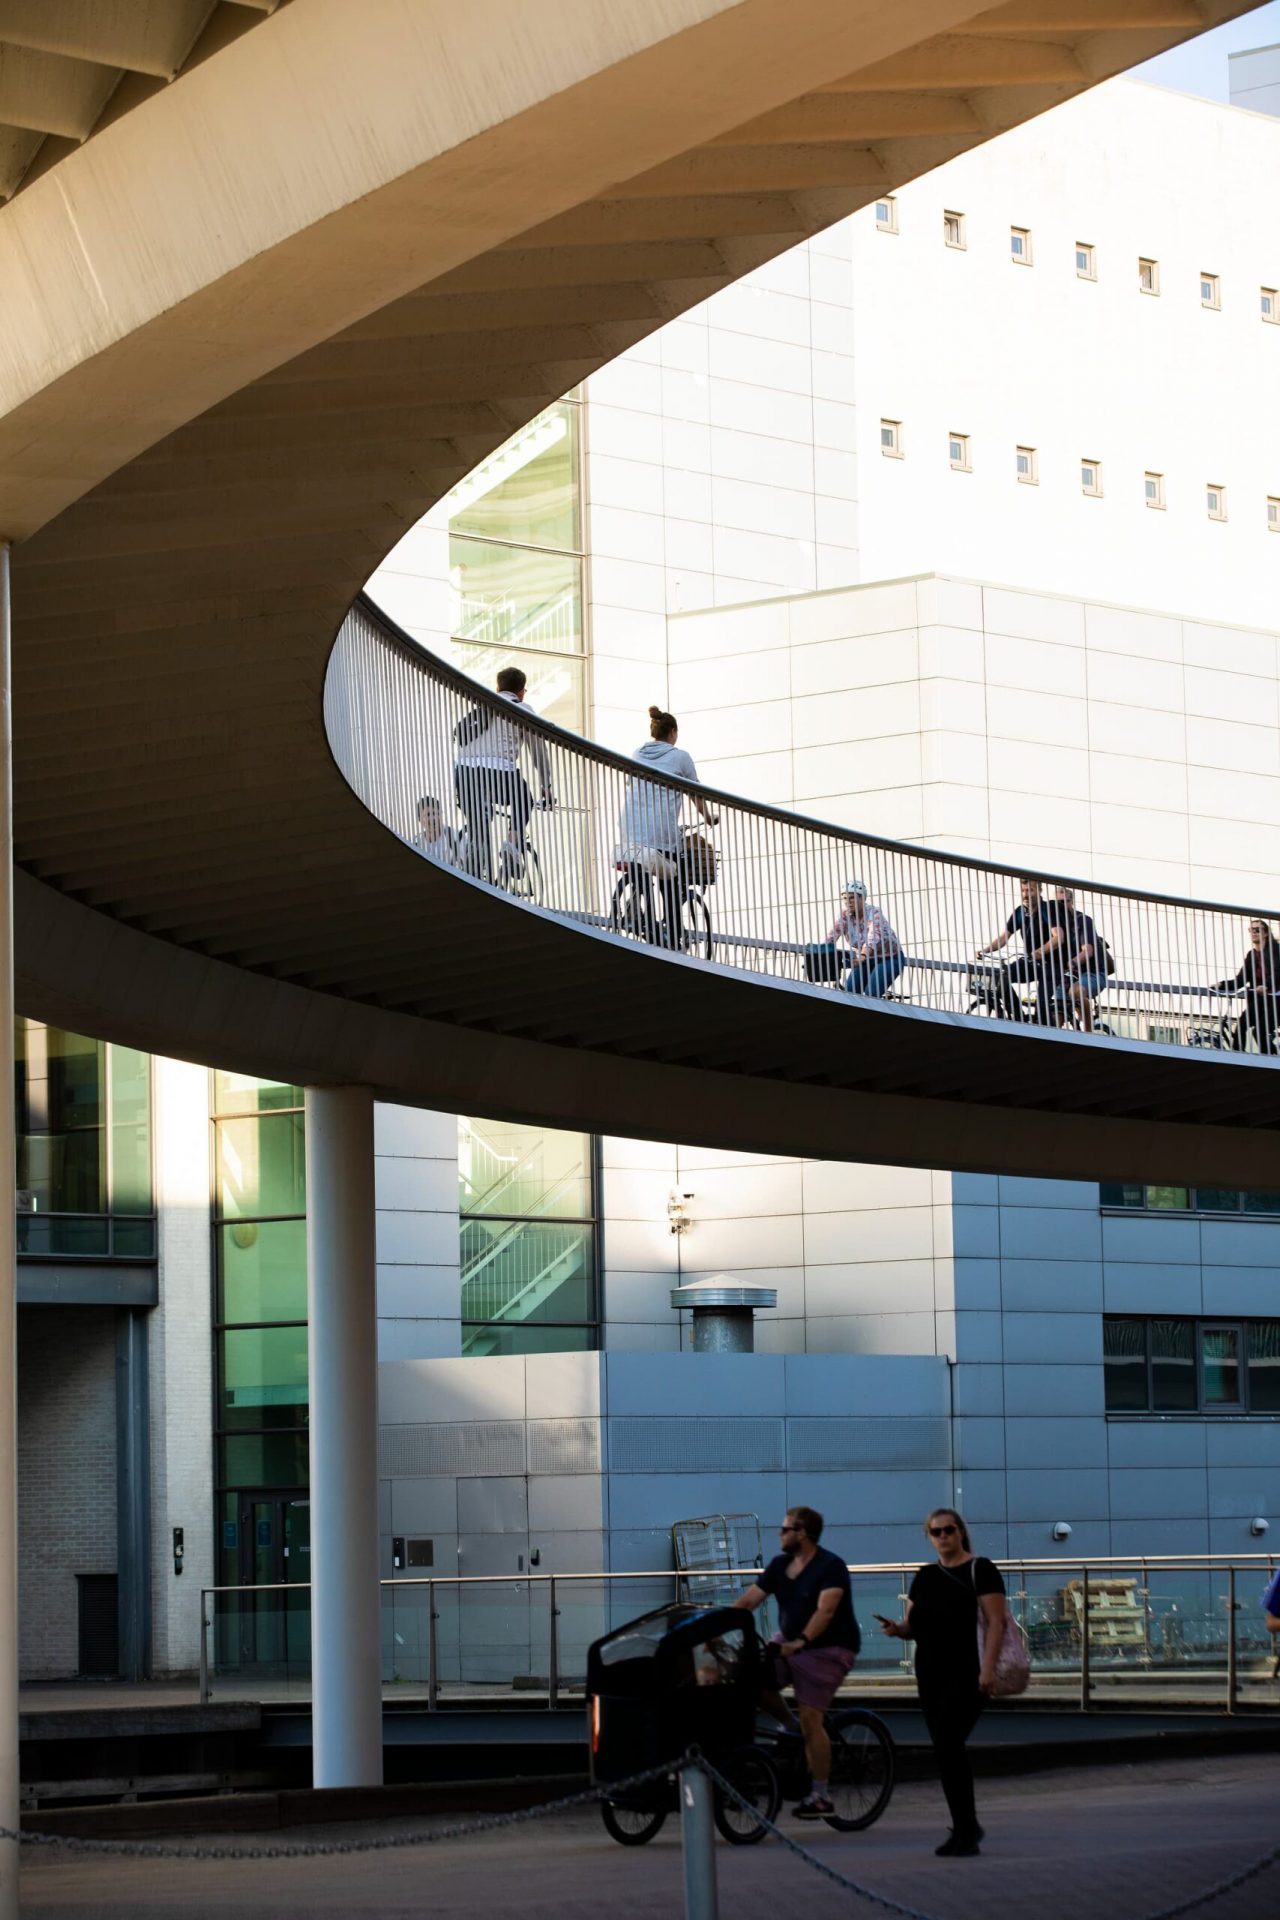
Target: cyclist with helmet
874, 957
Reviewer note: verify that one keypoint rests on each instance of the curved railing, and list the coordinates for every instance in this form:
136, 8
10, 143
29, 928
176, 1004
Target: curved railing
399, 720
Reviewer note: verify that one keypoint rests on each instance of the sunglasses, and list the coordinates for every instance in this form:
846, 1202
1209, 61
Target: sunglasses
937, 1532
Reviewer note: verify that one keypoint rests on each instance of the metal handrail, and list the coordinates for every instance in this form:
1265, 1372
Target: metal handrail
555, 1585
608, 855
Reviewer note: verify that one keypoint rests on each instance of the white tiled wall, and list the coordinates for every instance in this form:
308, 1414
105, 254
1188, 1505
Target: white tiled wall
720, 466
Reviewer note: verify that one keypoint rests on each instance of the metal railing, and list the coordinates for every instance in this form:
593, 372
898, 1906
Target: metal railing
606, 846
1149, 1630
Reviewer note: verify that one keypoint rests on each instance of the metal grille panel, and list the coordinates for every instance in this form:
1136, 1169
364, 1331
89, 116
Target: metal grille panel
695, 1445
830, 1445
468, 1446
564, 1446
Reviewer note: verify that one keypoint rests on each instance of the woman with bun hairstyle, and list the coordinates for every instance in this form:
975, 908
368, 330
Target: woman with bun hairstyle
947, 1596
650, 842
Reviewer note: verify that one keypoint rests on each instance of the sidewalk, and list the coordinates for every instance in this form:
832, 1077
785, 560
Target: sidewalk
1115, 1844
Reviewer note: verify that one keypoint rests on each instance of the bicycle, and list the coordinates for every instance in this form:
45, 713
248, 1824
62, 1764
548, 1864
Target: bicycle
518, 871
633, 909
773, 1767
993, 993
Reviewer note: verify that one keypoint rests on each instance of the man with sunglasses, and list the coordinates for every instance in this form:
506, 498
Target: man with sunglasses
818, 1642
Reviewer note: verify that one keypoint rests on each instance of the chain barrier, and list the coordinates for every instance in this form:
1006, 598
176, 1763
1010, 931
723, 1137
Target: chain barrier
321, 1849
1188, 1905
589, 1796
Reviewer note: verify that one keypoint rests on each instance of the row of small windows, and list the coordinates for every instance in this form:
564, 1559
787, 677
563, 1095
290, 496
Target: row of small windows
1027, 470
1021, 253
1191, 1366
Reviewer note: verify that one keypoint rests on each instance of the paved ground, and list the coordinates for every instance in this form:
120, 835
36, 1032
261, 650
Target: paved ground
1104, 1843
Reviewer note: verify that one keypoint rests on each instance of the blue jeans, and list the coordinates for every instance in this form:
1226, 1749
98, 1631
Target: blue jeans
875, 977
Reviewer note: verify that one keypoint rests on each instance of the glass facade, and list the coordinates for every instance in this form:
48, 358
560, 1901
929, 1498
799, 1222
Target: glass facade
527, 1206
83, 1116
1187, 1199
513, 529
260, 1324
1191, 1366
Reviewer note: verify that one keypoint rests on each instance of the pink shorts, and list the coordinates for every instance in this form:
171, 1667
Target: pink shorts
815, 1673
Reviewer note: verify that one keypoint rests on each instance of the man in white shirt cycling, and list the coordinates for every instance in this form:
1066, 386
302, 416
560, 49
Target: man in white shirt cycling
487, 776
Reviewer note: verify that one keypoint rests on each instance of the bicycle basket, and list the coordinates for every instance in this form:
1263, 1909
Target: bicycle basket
699, 860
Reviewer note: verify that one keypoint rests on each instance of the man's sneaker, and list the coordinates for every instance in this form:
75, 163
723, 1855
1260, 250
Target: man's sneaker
814, 1806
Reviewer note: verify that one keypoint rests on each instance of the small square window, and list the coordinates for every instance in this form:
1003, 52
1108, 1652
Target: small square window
891, 438
958, 452
887, 214
1210, 290
1086, 261
1153, 489
1148, 276
1269, 303
953, 229
1091, 477
1027, 466
1273, 513
1020, 246
1216, 501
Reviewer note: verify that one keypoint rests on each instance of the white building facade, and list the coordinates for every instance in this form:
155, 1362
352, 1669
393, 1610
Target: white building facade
954, 525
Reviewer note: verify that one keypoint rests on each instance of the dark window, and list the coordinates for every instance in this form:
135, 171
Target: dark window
83, 1115
1124, 1352
1173, 1366
1191, 1366
1263, 1347
1128, 1193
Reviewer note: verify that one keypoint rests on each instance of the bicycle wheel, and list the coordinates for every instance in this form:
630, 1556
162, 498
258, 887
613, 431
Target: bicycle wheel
862, 1768
752, 1773
697, 926
529, 886
626, 914
631, 1826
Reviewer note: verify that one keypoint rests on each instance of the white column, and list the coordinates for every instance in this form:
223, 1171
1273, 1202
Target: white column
342, 1347
8, 1298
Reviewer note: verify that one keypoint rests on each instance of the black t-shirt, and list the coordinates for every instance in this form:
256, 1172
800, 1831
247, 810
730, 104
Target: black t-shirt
798, 1599
944, 1620
1035, 924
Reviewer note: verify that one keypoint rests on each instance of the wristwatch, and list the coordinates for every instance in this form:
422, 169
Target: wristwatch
803, 1638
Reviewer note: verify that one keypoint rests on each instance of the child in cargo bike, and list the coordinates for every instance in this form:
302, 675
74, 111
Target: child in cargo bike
818, 1643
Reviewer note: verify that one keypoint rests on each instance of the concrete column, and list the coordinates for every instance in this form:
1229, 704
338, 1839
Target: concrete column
342, 1348
133, 1494
8, 1297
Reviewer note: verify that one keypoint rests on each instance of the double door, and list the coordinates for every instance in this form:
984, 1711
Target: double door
273, 1627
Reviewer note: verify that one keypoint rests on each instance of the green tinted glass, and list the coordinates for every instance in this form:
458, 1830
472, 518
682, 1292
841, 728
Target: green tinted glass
58, 1091
514, 597
84, 1234
130, 1081
264, 1377
527, 491
264, 1459
262, 1271
1261, 1202
241, 1093
261, 1166
1220, 1359
517, 1272
1217, 1200
1121, 1194
535, 1172
133, 1239
1168, 1199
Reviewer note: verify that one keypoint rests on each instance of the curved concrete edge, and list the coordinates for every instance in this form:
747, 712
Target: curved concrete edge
341, 156
79, 969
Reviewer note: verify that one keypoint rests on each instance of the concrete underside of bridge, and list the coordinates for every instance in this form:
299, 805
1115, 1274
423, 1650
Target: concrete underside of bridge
253, 329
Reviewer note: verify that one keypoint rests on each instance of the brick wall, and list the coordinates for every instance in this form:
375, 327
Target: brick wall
66, 1475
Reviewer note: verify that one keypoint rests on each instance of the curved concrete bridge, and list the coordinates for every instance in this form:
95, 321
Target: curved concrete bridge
254, 326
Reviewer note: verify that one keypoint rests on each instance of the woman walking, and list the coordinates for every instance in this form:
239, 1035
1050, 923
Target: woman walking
947, 1597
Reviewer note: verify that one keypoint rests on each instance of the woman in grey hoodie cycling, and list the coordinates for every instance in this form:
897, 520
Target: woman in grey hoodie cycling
650, 844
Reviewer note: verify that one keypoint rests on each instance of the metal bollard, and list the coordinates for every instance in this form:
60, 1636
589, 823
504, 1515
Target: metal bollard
698, 1843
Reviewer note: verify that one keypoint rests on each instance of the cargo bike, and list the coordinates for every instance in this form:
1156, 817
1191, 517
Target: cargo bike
688, 1676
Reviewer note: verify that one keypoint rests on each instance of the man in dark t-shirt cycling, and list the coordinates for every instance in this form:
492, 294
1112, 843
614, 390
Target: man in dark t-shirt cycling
819, 1640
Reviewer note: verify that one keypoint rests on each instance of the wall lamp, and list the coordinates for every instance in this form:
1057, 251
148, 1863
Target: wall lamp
678, 1211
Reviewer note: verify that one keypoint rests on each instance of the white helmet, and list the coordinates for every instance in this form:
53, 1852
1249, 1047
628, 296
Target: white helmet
857, 888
